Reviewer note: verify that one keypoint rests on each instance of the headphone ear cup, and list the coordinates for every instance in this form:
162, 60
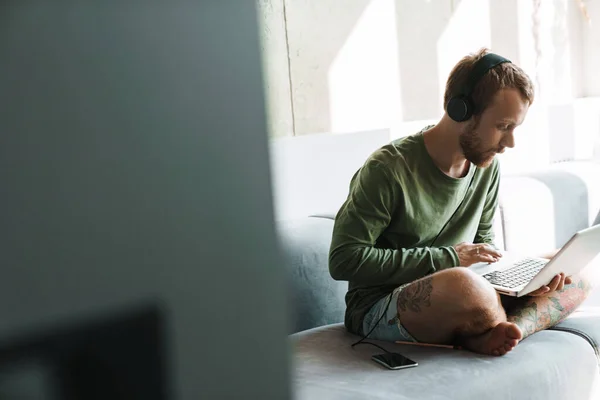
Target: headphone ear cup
459, 108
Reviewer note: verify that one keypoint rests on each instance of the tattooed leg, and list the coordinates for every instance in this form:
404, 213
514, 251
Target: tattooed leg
533, 314
457, 306
416, 296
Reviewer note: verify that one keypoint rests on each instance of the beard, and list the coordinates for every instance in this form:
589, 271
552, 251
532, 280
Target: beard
471, 146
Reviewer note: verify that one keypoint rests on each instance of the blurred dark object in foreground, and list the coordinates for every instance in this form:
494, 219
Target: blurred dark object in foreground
116, 357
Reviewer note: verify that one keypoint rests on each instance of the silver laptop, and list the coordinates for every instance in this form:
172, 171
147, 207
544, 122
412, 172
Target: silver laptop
529, 274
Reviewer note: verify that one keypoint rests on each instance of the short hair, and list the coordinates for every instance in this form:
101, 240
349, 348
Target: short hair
502, 76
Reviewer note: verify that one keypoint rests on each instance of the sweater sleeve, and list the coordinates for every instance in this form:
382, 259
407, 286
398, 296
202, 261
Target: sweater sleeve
373, 198
485, 231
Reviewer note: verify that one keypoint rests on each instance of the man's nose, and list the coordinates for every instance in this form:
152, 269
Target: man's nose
509, 140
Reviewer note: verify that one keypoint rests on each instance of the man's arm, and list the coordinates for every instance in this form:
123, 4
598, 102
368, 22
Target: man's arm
374, 196
485, 231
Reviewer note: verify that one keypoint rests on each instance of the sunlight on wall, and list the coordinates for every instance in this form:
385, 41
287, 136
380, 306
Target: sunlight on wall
527, 55
591, 43
550, 49
364, 78
467, 31
575, 129
532, 149
550, 28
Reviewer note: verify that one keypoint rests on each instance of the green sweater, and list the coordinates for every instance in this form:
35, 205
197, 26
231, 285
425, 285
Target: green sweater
398, 203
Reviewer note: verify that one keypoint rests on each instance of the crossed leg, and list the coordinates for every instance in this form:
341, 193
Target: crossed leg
457, 306
533, 314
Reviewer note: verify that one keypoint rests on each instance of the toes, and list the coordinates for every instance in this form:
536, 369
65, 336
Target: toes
513, 332
502, 350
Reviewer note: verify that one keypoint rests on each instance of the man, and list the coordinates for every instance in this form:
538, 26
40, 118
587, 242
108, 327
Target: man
423, 205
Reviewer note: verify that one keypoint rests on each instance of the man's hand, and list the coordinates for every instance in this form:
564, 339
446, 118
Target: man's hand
557, 283
469, 254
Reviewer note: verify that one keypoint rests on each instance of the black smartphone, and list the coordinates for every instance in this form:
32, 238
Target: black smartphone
394, 361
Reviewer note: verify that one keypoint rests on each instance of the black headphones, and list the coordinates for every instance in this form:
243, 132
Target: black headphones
460, 107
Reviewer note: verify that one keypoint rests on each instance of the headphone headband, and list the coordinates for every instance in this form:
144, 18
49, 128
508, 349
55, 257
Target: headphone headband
461, 107
482, 66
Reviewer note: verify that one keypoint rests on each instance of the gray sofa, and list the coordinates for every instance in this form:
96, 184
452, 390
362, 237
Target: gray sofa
562, 363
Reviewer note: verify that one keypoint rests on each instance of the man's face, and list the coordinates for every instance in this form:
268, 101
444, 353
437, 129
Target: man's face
491, 132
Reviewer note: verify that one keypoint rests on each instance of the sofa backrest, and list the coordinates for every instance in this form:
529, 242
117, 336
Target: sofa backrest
538, 212
311, 173
315, 298
310, 176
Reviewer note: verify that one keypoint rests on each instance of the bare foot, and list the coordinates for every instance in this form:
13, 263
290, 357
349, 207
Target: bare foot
497, 341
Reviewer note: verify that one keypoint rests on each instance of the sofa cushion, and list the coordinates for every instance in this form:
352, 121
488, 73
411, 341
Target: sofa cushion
548, 365
316, 299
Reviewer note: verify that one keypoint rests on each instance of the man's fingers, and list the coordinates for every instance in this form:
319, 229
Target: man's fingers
487, 249
568, 280
540, 291
470, 254
554, 283
493, 256
486, 258
495, 253
561, 284
557, 283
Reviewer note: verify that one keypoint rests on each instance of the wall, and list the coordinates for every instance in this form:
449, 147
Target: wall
274, 50
370, 64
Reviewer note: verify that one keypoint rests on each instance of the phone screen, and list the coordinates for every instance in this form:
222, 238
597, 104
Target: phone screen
394, 361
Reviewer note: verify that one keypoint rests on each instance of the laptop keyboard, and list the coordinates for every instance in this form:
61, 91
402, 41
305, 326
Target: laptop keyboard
518, 275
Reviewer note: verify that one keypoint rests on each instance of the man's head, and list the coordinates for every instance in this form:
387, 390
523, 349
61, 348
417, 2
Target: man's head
501, 99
